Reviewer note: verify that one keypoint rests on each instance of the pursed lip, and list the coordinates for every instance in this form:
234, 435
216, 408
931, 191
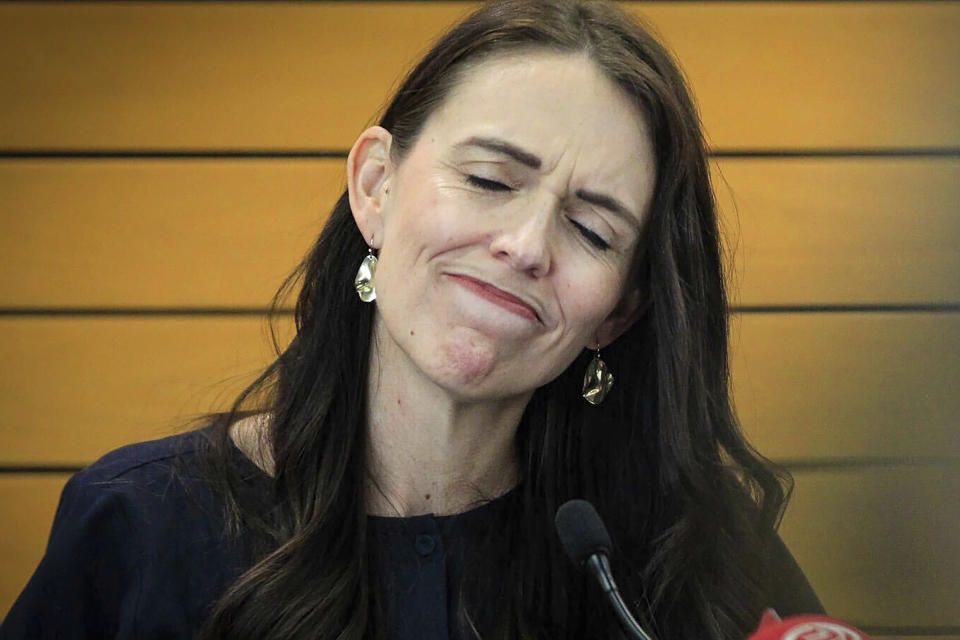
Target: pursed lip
498, 296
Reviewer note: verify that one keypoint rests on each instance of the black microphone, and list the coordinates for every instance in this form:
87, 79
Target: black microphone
587, 542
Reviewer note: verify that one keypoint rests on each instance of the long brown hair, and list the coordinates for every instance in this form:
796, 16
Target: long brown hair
688, 502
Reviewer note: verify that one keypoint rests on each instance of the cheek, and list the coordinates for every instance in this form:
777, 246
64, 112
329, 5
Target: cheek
407, 234
588, 296
425, 208
434, 225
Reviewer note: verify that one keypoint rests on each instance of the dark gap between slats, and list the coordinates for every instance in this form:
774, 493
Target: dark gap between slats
280, 154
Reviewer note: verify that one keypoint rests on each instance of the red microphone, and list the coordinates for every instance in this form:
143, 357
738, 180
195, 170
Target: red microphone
805, 627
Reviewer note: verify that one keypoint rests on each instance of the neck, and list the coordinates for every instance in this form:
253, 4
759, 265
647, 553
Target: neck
431, 452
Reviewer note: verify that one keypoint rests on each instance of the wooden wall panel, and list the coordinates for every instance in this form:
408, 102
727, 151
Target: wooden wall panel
200, 232
848, 385
225, 232
819, 74
74, 388
841, 230
294, 76
807, 385
880, 545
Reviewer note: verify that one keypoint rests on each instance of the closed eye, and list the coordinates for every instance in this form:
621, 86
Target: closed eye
492, 185
489, 185
591, 236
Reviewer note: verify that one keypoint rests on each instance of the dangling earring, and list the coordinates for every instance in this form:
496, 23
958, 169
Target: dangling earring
597, 381
363, 283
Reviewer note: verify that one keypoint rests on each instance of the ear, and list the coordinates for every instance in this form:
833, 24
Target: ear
631, 307
369, 170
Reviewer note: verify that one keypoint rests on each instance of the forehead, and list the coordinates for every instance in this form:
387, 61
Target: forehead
559, 106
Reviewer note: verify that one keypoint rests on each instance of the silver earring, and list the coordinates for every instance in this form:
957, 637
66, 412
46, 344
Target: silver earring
597, 381
363, 283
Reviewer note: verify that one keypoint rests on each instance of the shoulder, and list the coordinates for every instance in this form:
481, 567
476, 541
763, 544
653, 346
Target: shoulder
141, 460
160, 468
144, 511
135, 543
144, 487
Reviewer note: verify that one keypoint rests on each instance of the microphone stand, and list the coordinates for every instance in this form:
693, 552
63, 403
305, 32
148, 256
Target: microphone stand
599, 566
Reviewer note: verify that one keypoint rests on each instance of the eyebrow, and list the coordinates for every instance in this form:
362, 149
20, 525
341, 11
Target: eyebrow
528, 159
502, 146
610, 204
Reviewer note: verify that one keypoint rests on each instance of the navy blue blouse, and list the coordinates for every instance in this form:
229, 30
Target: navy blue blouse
133, 555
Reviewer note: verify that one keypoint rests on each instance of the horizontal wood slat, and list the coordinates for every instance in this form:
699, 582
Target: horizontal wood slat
225, 232
841, 231
295, 76
808, 386
848, 385
159, 232
879, 546
73, 389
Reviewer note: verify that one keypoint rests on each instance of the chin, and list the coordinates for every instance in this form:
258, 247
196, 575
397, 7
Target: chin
469, 378
466, 363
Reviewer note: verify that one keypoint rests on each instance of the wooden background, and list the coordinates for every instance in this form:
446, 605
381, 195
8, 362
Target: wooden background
164, 165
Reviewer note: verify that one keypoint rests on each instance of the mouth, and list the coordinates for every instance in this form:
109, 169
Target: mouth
497, 296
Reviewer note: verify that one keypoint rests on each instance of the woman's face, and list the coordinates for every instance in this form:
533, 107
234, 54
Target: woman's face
507, 231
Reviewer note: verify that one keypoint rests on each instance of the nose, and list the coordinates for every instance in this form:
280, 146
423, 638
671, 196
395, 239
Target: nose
525, 244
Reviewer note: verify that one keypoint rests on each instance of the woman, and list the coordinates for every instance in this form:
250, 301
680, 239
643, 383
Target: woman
539, 314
